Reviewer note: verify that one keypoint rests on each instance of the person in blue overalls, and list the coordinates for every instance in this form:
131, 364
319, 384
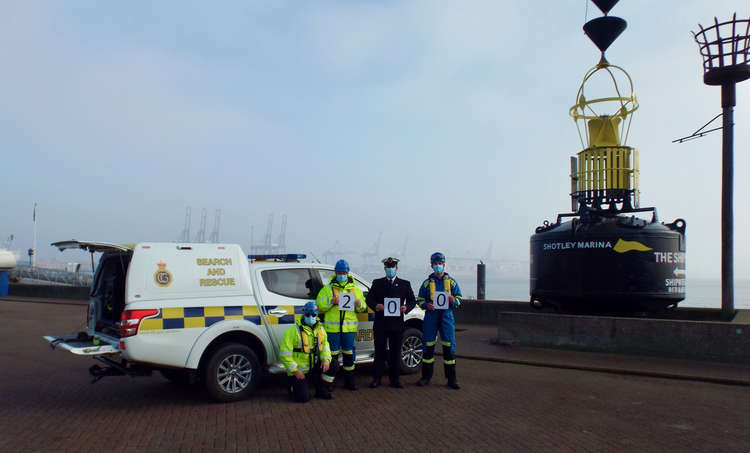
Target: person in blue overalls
441, 320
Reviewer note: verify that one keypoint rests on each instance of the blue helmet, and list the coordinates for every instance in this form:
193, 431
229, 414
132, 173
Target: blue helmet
341, 266
437, 257
310, 309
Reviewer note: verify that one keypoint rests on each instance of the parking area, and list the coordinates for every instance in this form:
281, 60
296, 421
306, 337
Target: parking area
47, 403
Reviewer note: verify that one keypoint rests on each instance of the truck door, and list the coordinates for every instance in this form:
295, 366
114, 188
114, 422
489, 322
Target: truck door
284, 291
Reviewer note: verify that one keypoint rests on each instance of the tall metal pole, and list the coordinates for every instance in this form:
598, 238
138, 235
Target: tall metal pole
728, 102
32, 252
726, 61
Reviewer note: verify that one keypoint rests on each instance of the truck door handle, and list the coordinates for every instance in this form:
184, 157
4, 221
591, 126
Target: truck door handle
278, 312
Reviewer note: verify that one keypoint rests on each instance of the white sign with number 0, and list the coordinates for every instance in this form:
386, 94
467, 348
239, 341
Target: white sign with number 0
440, 301
346, 301
391, 306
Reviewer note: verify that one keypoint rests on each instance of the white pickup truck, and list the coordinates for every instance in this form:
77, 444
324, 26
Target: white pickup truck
205, 313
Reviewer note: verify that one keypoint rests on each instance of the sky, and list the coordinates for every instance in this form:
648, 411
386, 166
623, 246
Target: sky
442, 122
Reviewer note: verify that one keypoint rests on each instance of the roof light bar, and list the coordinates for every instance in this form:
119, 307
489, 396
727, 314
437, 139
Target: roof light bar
278, 257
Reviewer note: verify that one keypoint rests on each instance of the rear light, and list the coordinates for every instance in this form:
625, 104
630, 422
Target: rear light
131, 319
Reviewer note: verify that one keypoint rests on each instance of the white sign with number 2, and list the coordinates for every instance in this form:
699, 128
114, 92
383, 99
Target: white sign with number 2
391, 306
440, 301
346, 301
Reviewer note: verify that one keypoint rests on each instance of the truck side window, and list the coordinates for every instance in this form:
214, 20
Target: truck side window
296, 283
325, 275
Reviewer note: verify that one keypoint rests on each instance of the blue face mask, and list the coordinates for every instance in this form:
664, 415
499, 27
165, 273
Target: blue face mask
390, 272
438, 268
341, 278
310, 320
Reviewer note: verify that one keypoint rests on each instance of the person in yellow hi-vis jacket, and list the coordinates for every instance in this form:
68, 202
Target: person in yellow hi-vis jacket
306, 354
341, 325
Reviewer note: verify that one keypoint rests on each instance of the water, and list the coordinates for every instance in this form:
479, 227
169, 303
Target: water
699, 292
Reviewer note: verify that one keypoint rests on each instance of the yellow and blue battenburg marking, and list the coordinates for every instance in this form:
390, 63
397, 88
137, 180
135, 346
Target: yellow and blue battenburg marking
201, 317
286, 319
192, 317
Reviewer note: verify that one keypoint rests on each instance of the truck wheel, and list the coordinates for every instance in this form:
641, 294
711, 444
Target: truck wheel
411, 350
231, 373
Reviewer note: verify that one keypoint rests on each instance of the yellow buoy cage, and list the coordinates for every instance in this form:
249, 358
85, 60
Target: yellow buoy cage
606, 170
608, 173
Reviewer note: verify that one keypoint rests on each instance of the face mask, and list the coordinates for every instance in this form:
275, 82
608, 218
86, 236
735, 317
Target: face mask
310, 320
390, 272
438, 268
341, 278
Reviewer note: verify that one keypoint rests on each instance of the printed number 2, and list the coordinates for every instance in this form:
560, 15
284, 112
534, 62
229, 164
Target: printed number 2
441, 300
346, 302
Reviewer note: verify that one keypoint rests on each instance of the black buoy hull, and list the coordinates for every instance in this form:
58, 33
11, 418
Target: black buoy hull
615, 264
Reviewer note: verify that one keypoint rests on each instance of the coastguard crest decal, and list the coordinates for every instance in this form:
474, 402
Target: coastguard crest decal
162, 277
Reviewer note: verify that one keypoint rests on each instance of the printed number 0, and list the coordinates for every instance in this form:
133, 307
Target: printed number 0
441, 300
392, 306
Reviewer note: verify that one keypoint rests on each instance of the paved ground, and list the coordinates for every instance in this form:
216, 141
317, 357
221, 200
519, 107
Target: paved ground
47, 404
479, 342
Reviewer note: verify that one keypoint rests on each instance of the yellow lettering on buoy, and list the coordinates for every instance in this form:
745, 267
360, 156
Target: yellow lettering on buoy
623, 246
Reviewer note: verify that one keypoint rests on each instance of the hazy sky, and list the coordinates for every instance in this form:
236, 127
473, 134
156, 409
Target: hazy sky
444, 121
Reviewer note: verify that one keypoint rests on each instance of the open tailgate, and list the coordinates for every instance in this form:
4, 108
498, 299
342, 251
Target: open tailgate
91, 246
82, 345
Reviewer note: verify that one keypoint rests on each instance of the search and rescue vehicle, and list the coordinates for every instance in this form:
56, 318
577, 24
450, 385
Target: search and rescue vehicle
205, 313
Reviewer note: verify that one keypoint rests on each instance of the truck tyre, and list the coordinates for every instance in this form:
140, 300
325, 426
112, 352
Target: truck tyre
231, 373
411, 350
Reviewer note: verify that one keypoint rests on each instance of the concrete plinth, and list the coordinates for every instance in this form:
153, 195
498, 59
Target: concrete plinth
699, 340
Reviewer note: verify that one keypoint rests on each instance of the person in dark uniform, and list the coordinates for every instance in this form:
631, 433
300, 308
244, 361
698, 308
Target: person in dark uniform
389, 328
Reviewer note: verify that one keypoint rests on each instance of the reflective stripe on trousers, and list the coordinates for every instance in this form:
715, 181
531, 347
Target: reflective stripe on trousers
340, 342
442, 321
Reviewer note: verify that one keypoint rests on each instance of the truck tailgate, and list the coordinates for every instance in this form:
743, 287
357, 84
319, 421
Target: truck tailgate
80, 345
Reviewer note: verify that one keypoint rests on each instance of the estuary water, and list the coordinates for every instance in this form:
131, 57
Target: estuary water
698, 292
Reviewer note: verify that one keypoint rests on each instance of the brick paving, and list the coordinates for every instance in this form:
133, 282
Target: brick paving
48, 404
480, 341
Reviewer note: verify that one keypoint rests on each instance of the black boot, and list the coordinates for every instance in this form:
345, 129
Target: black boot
323, 389
375, 382
349, 380
450, 373
426, 374
323, 393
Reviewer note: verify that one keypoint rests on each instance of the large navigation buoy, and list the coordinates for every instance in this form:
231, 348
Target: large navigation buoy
606, 258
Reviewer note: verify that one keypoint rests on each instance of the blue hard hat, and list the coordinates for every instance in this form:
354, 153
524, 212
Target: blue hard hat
341, 266
310, 308
437, 257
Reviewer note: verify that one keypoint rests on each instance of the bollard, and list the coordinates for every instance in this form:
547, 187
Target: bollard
481, 281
